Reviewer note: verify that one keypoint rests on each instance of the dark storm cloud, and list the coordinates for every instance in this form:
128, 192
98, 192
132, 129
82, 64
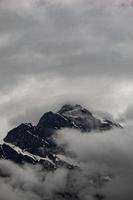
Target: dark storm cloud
61, 45
60, 38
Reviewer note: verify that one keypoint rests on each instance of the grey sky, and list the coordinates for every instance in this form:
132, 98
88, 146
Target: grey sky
53, 52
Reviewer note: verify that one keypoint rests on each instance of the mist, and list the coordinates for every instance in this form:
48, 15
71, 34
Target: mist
103, 160
106, 154
29, 182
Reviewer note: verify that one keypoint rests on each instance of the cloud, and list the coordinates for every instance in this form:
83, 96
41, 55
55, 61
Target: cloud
27, 102
28, 182
105, 161
128, 113
103, 153
54, 52
58, 38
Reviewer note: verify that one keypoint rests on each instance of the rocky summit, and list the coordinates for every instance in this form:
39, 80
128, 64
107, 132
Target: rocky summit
35, 144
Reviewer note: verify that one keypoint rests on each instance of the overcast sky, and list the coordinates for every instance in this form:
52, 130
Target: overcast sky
64, 51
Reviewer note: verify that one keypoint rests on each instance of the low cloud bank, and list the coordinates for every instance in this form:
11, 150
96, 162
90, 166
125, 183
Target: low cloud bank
107, 155
104, 160
29, 182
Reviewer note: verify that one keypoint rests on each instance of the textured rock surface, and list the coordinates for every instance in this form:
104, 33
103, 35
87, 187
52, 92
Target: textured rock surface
34, 144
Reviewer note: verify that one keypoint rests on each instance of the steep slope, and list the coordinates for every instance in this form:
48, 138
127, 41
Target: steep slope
35, 144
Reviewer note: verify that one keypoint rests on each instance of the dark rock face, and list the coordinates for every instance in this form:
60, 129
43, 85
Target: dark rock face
6, 152
24, 136
52, 121
81, 118
72, 117
35, 143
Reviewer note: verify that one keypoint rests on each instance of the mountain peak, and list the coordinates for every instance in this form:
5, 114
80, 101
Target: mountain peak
35, 143
69, 107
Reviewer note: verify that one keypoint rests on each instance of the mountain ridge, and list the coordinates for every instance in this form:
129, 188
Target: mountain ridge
35, 144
